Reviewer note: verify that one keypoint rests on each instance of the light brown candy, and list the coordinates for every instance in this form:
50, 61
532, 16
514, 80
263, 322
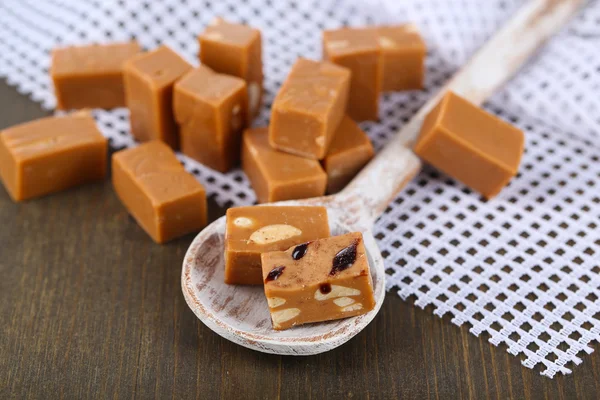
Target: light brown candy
471, 145
163, 198
309, 108
51, 154
90, 76
277, 176
322, 280
149, 80
252, 231
349, 152
358, 50
211, 110
403, 52
235, 49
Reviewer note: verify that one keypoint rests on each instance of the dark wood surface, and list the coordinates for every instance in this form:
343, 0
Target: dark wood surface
90, 307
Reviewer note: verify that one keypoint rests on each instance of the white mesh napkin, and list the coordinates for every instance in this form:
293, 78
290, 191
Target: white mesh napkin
523, 267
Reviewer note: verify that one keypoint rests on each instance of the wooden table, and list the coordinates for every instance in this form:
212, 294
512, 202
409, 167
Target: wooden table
90, 307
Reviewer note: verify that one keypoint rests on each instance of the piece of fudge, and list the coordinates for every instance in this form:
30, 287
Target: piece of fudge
254, 230
211, 110
278, 176
358, 50
90, 76
403, 56
149, 80
470, 145
317, 281
235, 49
51, 154
308, 108
350, 151
165, 200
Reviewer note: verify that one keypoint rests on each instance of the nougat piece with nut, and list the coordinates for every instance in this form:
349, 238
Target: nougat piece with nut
235, 49
251, 231
316, 281
308, 108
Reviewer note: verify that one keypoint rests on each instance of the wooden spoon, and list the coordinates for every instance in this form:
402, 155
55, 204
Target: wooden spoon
240, 313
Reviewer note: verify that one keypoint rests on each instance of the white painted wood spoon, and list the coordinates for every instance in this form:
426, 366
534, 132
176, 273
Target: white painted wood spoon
240, 313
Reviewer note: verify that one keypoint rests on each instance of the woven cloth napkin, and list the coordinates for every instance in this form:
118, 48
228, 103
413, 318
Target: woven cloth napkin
523, 267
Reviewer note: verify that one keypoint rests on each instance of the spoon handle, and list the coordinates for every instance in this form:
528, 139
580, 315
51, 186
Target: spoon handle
492, 65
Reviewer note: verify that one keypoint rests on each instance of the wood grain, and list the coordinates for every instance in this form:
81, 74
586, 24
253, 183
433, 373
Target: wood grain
91, 308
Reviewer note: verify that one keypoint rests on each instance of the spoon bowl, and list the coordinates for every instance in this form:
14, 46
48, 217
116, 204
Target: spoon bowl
240, 313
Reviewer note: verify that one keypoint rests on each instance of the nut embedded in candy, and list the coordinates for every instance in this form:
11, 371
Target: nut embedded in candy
243, 222
282, 316
333, 291
275, 302
274, 233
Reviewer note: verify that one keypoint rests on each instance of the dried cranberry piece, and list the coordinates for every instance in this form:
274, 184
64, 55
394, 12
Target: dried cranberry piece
325, 288
300, 251
345, 258
275, 273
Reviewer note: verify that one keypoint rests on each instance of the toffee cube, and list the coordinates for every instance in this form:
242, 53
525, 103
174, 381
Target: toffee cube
51, 154
308, 108
149, 81
470, 145
211, 110
358, 50
235, 49
349, 152
403, 56
164, 199
90, 76
277, 176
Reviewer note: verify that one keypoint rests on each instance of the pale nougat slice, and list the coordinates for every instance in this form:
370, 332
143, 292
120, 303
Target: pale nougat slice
321, 280
251, 231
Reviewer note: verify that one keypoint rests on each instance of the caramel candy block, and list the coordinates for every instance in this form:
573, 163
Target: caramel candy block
403, 53
349, 152
309, 108
277, 176
359, 51
252, 231
211, 110
470, 145
163, 198
90, 76
318, 281
149, 80
235, 49
51, 154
